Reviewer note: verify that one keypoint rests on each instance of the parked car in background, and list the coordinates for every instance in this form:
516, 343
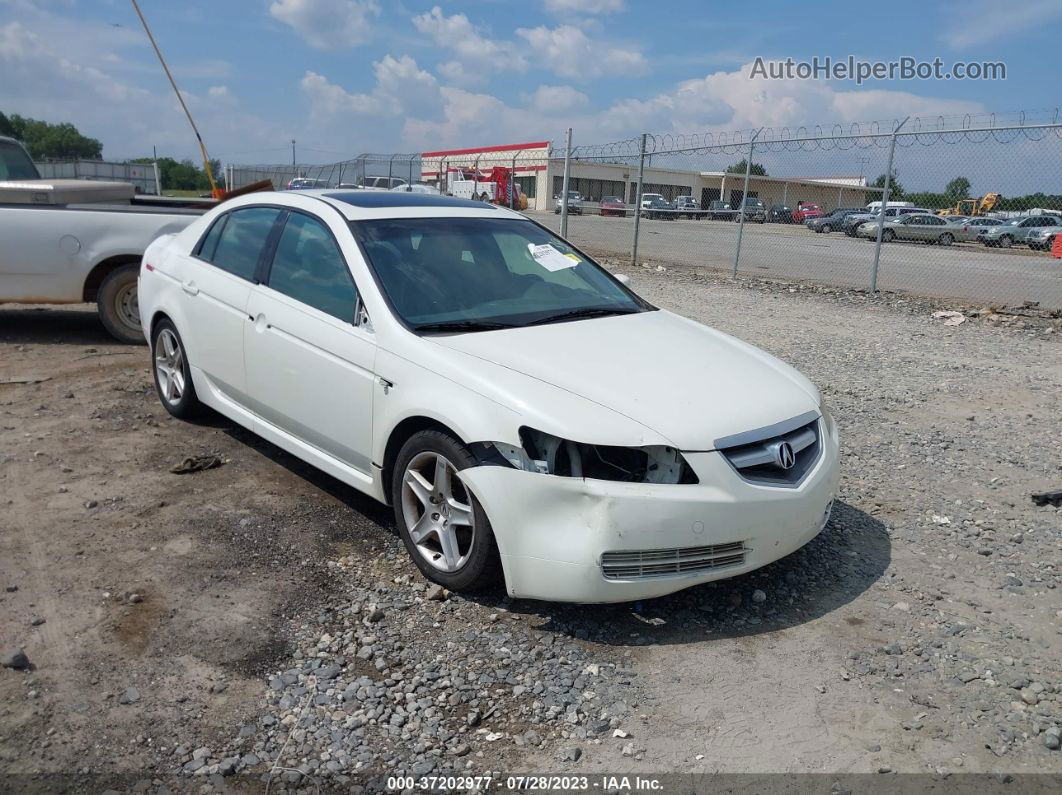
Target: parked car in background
575, 203
381, 183
613, 205
416, 187
966, 231
805, 211
419, 349
892, 212
780, 214
912, 226
1014, 231
833, 221
659, 209
753, 210
1043, 237
688, 206
67, 241
648, 197
719, 210
305, 183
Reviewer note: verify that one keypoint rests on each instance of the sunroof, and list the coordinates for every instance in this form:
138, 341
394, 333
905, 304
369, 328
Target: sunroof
386, 198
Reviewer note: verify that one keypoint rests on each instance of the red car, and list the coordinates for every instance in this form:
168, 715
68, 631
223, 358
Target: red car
613, 205
806, 210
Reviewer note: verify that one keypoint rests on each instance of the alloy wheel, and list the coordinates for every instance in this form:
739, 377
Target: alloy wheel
169, 366
438, 512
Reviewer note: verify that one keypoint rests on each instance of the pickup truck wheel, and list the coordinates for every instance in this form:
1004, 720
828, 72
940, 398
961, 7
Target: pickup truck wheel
173, 378
443, 526
117, 305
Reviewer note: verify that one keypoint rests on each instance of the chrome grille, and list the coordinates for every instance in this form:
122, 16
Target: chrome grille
642, 563
754, 454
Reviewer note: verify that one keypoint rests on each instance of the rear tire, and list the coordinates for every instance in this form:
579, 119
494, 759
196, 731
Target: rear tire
1006, 241
173, 377
826, 229
116, 303
443, 526
946, 239
887, 236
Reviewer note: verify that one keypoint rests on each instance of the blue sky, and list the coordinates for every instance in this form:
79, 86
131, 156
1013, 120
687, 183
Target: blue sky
348, 76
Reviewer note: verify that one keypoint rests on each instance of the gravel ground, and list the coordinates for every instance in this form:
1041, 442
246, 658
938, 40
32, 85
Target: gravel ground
262, 620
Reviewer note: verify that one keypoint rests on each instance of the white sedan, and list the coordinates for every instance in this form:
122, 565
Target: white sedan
526, 414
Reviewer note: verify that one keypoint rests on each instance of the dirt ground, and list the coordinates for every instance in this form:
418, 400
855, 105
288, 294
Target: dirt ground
919, 633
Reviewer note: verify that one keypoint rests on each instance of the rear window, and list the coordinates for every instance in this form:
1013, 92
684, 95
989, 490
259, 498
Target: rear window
15, 163
242, 239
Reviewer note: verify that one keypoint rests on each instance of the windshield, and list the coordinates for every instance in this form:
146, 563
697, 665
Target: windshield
471, 273
15, 163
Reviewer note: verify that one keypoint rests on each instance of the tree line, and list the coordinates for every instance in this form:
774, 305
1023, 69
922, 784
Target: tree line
63, 141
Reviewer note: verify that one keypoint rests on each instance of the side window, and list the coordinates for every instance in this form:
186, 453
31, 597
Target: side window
208, 245
241, 241
309, 267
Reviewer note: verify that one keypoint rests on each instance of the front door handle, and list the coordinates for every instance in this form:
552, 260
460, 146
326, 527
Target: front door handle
190, 288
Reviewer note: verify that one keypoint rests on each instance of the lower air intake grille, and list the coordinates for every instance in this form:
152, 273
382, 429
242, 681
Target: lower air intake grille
639, 564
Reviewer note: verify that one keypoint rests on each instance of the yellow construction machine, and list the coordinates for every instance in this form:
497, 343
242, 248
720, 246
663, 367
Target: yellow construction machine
979, 206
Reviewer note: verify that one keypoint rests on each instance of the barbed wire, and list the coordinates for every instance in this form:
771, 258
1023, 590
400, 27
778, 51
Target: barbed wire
1000, 128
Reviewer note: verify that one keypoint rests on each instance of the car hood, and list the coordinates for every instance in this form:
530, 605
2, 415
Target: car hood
687, 382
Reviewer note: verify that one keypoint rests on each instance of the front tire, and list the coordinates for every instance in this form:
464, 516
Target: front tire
173, 377
888, 236
443, 526
826, 229
116, 303
946, 239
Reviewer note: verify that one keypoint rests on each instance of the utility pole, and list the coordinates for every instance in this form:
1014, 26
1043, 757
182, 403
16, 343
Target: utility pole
293, 152
862, 164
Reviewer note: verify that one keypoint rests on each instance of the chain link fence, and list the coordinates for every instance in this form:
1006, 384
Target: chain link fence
964, 209
385, 170
971, 212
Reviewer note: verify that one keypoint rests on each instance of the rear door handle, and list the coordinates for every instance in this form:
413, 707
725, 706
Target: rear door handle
190, 288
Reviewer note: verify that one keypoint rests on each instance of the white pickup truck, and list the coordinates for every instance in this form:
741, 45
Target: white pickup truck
73, 241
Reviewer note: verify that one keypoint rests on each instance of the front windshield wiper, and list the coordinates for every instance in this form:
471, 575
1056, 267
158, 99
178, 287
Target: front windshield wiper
462, 325
578, 314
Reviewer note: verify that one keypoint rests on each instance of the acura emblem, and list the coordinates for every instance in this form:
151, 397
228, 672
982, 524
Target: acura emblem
784, 457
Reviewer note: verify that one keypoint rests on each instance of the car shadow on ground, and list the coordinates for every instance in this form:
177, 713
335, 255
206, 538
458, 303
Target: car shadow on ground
851, 553
842, 562
53, 326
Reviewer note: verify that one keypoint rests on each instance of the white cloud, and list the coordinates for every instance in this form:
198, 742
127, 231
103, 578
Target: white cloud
328, 24
46, 78
584, 6
401, 87
556, 99
567, 51
982, 21
477, 53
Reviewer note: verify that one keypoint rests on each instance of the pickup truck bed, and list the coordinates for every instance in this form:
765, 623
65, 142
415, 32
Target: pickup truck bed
72, 241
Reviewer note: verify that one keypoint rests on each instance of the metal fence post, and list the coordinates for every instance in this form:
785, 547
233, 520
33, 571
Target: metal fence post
512, 181
881, 211
390, 169
638, 201
744, 198
564, 184
158, 184
410, 183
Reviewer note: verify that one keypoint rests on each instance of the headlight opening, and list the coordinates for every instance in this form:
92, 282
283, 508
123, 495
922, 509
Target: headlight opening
552, 455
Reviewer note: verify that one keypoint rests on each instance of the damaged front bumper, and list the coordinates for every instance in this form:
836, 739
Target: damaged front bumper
560, 536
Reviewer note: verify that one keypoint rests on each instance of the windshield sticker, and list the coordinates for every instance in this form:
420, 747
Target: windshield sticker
551, 259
